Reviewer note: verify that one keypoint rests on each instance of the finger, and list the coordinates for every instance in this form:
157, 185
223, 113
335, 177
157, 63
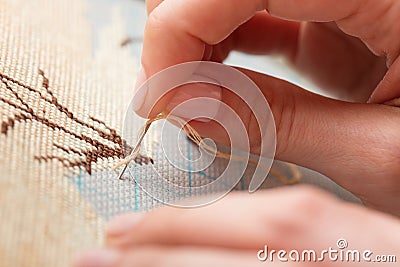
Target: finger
322, 134
263, 34
314, 145
279, 218
388, 90
381, 36
187, 25
190, 256
339, 64
183, 29
244, 215
351, 17
152, 4
159, 256
276, 36
177, 25
326, 135
178, 32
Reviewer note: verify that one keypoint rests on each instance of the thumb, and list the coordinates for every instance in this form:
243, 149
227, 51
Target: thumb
356, 145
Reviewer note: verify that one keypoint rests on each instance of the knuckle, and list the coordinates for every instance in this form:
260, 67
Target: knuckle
304, 210
308, 201
378, 35
285, 112
253, 131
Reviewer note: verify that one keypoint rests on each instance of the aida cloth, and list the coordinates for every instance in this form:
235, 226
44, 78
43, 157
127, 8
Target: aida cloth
67, 70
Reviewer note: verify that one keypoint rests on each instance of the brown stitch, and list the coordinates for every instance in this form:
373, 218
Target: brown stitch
65, 162
55, 102
45, 82
48, 158
126, 42
130, 40
4, 127
10, 123
60, 147
14, 93
68, 150
99, 121
99, 151
113, 133
61, 108
7, 124
8, 102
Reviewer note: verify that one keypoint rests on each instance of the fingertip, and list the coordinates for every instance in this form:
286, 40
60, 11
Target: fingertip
140, 90
96, 258
123, 224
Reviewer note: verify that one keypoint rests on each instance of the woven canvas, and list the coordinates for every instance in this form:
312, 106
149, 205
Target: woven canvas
62, 103
67, 70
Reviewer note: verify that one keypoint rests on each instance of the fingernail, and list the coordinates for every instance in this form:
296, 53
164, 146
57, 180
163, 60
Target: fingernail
97, 258
208, 108
140, 95
123, 224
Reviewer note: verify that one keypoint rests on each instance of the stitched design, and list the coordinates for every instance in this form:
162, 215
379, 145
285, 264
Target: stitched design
109, 145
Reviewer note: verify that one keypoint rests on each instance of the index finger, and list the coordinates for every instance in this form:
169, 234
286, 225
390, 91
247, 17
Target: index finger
178, 31
279, 217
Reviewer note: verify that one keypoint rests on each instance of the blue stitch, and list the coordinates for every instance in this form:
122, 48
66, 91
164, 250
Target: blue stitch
79, 181
83, 186
189, 151
242, 181
136, 190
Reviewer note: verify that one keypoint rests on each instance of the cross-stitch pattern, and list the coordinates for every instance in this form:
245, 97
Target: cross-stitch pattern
67, 71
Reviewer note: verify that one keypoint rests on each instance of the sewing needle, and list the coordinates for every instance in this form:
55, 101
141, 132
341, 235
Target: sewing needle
135, 150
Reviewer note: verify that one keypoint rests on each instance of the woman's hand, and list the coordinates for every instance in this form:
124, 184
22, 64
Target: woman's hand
232, 231
350, 49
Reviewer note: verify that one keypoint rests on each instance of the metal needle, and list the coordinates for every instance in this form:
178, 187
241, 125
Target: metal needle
136, 149
122, 173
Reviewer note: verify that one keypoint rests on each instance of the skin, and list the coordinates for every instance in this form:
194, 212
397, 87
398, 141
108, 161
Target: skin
351, 50
219, 235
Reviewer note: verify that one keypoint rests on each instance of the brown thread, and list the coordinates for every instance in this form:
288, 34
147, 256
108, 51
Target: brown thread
4, 127
54, 101
129, 40
99, 150
68, 150
126, 42
193, 135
